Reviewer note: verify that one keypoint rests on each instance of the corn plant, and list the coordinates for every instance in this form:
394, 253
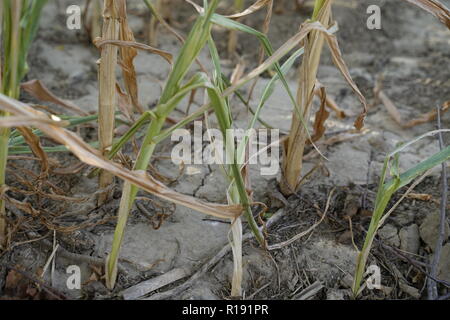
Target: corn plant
177, 87
19, 23
173, 93
171, 96
117, 42
386, 190
298, 136
292, 164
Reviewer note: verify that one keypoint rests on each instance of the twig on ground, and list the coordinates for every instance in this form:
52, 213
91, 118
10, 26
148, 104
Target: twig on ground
302, 234
209, 264
250, 297
146, 287
366, 189
415, 264
49, 260
64, 253
309, 292
432, 285
445, 297
48, 289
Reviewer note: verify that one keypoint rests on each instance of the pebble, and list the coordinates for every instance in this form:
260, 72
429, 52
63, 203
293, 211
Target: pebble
444, 264
429, 229
409, 239
337, 294
389, 234
404, 216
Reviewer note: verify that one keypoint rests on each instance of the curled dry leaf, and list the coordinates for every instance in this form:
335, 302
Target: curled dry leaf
434, 7
238, 71
92, 157
17, 121
125, 40
124, 103
253, 8
396, 116
72, 169
24, 206
35, 145
340, 64
420, 196
259, 4
127, 55
330, 103
321, 116
276, 56
164, 54
305, 29
39, 91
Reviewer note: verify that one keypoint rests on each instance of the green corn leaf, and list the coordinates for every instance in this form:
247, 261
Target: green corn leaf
385, 192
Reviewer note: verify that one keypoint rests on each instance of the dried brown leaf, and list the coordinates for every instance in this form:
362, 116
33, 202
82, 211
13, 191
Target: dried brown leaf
321, 116
420, 196
427, 117
304, 31
39, 91
124, 103
23, 206
396, 116
253, 8
390, 107
434, 7
127, 55
13, 279
35, 145
18, 121
164, 54
92, 157
237, 72
340, 64
332, 105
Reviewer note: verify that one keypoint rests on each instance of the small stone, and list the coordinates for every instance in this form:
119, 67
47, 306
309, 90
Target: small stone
406, 288
409, 239
404, 216
337, 294
429, 229
352, 205
389, 234
201, 292
444, 264
347, 281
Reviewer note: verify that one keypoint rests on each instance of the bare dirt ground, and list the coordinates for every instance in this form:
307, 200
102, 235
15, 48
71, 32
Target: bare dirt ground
411, 51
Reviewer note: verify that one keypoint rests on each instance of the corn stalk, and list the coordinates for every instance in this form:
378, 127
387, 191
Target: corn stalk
294, 148
238, 5
236, 192
95, 20
195, 41
152, 27
107, 87
19, 24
